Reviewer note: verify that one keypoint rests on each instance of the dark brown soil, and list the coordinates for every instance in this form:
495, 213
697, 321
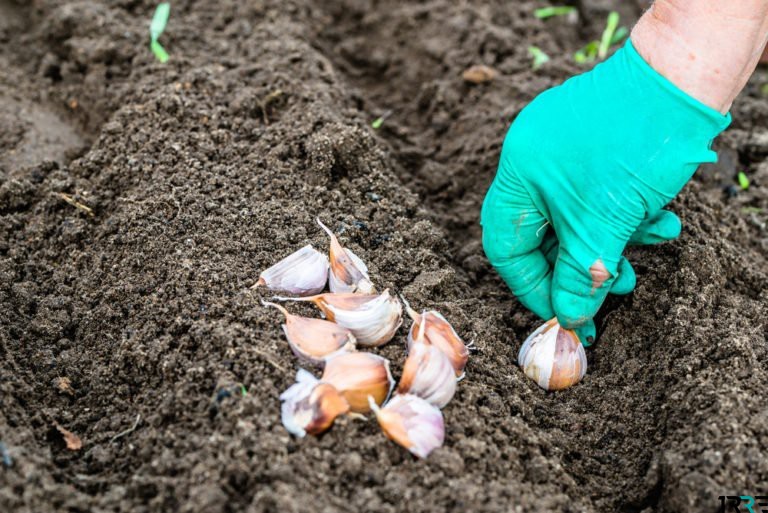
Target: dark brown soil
203, 171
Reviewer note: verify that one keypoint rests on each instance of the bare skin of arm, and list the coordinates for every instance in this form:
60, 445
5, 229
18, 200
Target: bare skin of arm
707, 48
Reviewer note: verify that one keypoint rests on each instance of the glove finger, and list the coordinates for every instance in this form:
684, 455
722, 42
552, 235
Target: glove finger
587, 333
660, 226
512, 232
626, 280
584, 275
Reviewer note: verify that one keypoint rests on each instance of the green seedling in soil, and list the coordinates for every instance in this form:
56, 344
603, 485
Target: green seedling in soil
539, 57
548, 12
156, 28
743, 180
751, 210
764, 89
592, 50
378, 122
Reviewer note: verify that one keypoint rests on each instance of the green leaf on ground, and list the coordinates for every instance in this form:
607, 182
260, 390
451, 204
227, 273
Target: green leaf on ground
588, 54
539, 57
743, 180
548, 12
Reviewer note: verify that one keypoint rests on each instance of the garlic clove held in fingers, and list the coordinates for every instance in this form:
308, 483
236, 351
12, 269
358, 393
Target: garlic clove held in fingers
310, 406
357, 376
348, 272
413, 423
553, 357
428, 373
372, 319
431, 328
314, 340
304, 272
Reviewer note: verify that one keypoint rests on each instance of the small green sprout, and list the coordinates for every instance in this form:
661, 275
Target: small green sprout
764, 89
548, 12
743, 180
156, 28
613, 34
751, 210
378, 122
243, 391
539, 57
587, 54
611, 24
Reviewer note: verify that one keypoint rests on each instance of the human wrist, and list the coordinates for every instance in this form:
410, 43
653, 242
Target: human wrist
708, 50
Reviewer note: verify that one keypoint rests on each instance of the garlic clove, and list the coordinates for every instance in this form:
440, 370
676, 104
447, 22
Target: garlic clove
304, 272
431, 328
413, 423
309, 406
344, 301
553, 357
374, 322
428, 373
314, 340
357, 376
348, 272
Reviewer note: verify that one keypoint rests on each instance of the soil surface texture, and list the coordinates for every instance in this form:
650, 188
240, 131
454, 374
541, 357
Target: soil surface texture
139, 201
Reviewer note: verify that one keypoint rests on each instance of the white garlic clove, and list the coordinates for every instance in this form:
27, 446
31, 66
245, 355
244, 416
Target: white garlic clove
309, 406
413, 423
428, 373
358, 376
304, 272
553, 357
314, 340
374, 322
348, 272
431, 328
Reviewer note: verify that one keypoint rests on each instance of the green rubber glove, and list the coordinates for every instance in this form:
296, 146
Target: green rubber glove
586, 169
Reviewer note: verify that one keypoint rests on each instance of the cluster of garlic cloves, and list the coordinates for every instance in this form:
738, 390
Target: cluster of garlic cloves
348, 272
304, 273
553, 357
356, 382
314, 340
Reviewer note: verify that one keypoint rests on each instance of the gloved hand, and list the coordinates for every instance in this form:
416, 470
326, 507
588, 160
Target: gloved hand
586, 169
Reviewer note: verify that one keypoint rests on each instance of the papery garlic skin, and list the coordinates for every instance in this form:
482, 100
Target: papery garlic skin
358, 376
413, 423
348, 272
309, 406
304, 273
428, 373
314, 340
553, 357
374, 322
431, 328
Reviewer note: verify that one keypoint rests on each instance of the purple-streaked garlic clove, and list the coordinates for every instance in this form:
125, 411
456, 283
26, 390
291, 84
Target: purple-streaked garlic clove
553, 357
413, 423
304, 273
373, 319
428, 373
358, 376
348, 272
310, 406
433, 329
314, 340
